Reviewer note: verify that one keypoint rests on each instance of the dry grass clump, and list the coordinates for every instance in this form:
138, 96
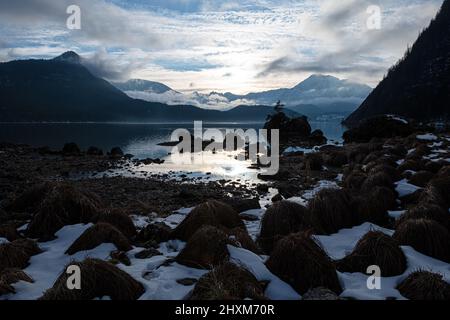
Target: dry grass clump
11, 276
419, 152
9, 232
427, 211
228, 282
298, 260
281, 219
433, 166
205, 249
320, 294
425, 236
314, 161
98, 234
388, 169
442, 187
99, 279
431, 195
118, 219
375, 248
444, 172
32, 198
373, 206
63, 205
212, 213
414, 165
355, 180
16, 254
330, 210
421, 178
378, 179
243, 239
424, 285
335, 158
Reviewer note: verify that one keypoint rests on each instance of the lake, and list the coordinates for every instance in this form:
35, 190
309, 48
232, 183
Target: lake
141, 140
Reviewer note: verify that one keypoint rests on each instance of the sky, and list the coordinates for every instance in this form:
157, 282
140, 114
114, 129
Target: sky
237, 46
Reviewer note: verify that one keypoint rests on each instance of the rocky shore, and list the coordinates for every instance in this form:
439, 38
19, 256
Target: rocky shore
311, 231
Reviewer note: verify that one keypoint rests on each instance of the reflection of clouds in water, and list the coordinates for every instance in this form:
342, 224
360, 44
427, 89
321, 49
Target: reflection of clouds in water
221, 165
148, 147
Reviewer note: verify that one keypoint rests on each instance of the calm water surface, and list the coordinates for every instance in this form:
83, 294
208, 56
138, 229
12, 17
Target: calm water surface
141, 140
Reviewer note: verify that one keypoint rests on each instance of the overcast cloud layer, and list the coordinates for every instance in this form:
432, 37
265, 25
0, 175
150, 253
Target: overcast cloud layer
206, 45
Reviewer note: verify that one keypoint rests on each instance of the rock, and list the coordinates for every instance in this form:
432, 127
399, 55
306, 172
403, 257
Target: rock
335, 158
378, 127
120, 256
289, 127
320, 294
317, 138
187, 281
277, 198
156, 232
71, 149
116, 152
94, 151
248, 217
241, 205
314, 162
147, 253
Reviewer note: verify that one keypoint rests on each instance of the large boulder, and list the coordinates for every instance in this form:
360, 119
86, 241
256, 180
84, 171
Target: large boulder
297, 127
378, 127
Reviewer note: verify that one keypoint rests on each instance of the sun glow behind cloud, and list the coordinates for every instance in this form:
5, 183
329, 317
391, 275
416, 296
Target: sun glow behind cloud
200, 45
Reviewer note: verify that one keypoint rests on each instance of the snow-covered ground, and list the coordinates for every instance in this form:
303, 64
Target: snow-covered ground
160, 278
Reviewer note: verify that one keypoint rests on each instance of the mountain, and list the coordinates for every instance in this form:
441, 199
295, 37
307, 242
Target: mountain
418, 86
62, 89
317, 90
317, 95
143, 85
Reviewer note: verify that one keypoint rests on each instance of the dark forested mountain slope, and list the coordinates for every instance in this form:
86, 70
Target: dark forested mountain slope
62, 89
418, 86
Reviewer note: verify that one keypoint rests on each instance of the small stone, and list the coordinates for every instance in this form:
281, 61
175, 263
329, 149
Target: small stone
121, 257
277, 198
187, 281
147, 253
320, 294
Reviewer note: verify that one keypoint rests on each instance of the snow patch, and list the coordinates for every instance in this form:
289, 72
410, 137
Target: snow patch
404, 188
45, 268
396, 214
355, 284
276, 289
427, 137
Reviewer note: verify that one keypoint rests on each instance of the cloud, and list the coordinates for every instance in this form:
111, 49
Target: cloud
101, 22
106, 66
206, 101
349, 48
222, 45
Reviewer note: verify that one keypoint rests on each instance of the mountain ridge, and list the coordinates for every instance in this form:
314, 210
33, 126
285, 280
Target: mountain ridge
62, 89
418, 86
325, 92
